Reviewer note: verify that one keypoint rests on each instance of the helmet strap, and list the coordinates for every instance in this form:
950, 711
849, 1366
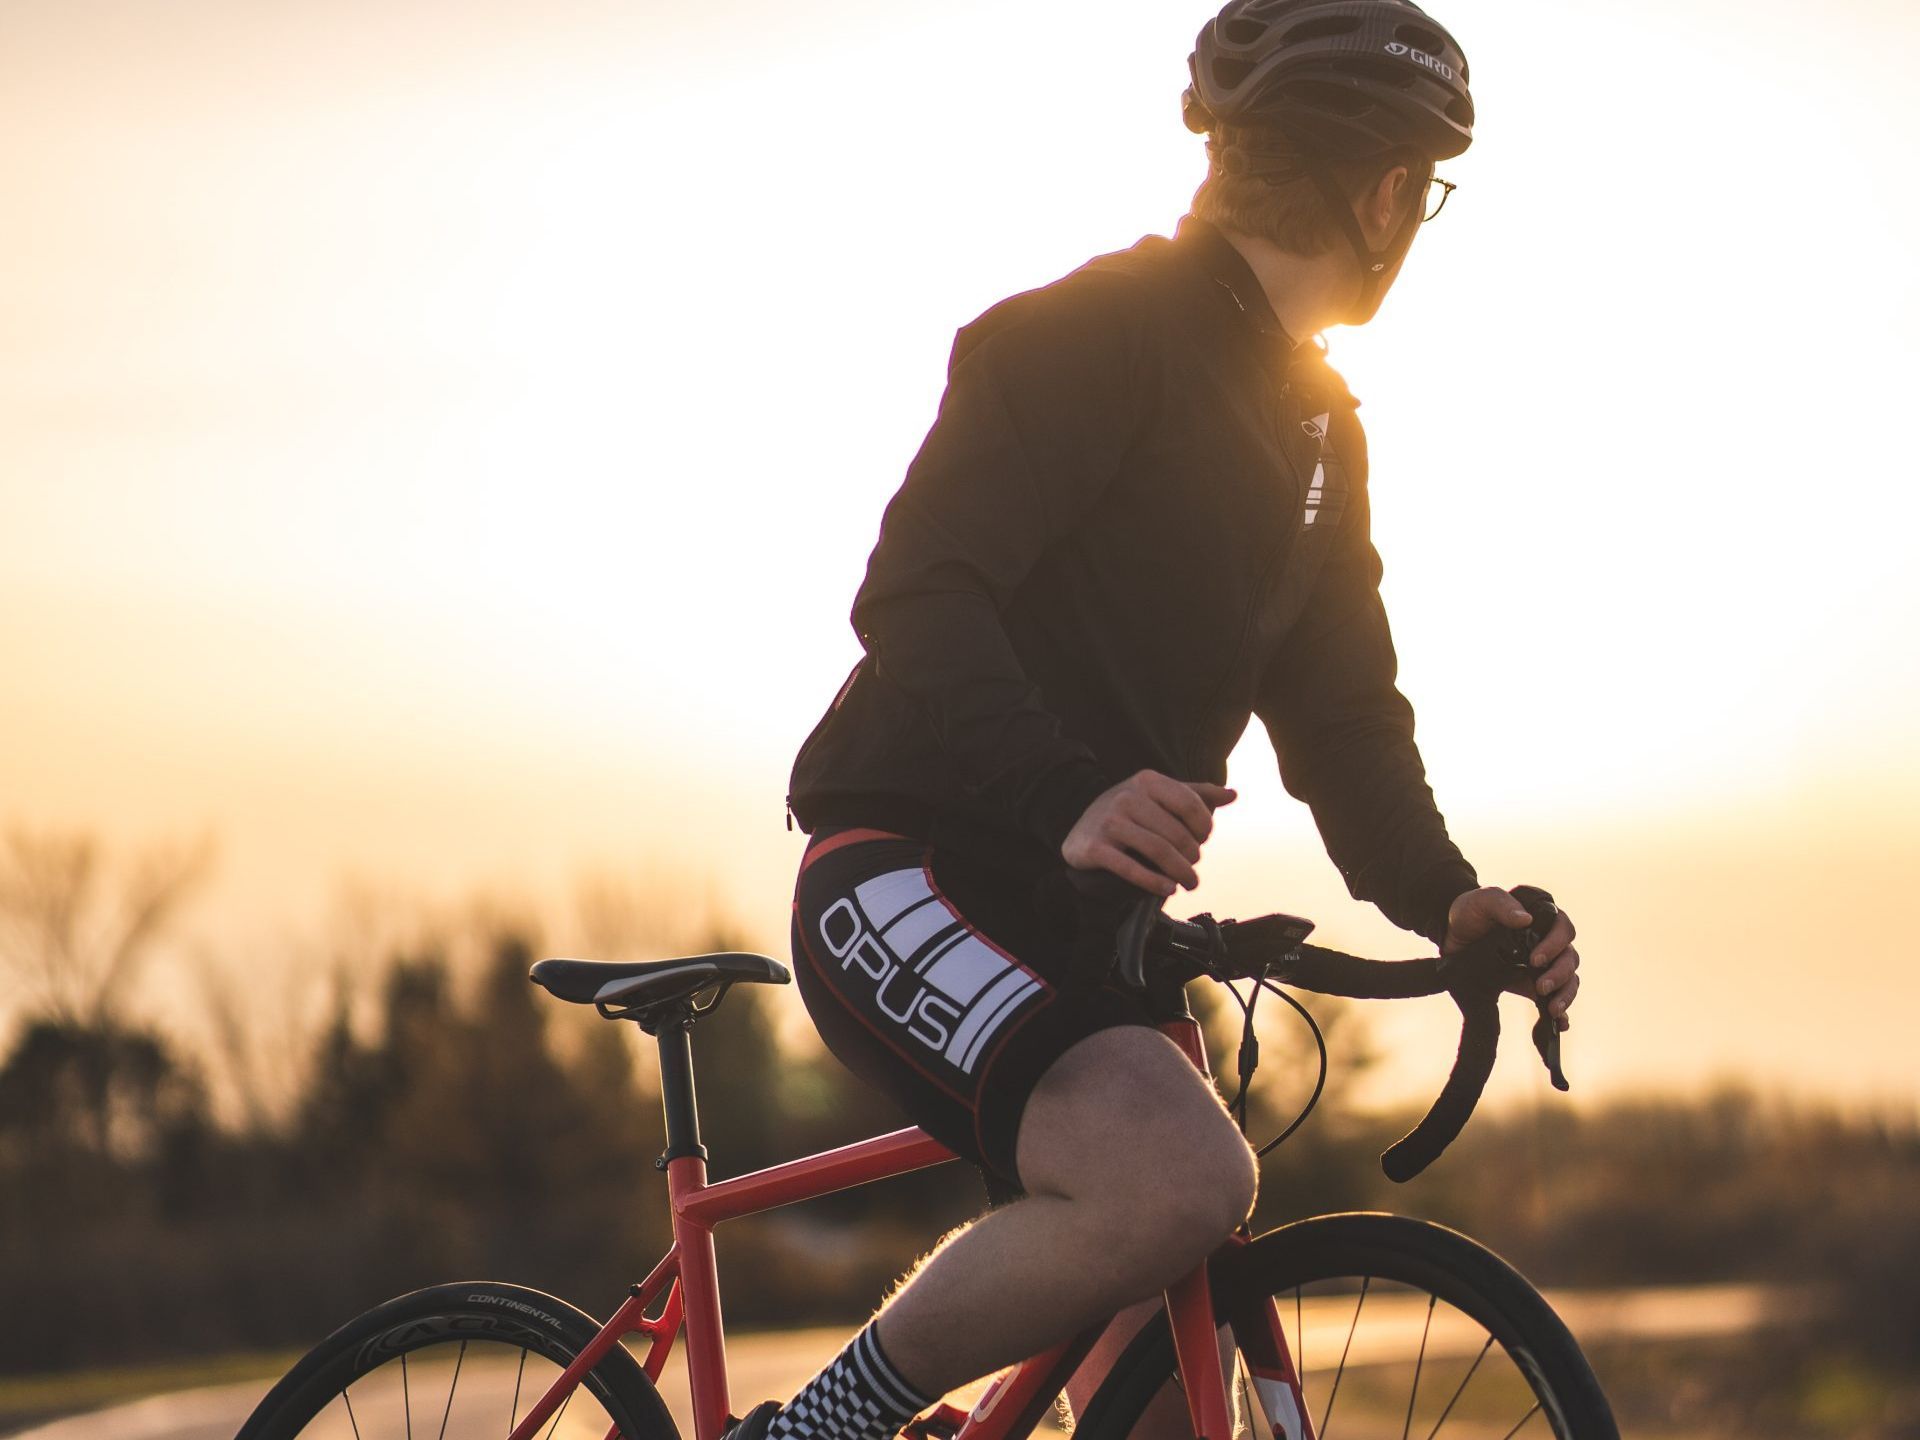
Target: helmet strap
1375, 265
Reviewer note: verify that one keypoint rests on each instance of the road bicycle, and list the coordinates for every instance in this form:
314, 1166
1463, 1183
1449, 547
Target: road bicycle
1454, 1340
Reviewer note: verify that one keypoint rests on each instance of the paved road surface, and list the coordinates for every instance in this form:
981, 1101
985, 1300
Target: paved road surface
763, 1366
759, 1366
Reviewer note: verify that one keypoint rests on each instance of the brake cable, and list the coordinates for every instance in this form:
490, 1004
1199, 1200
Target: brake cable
1319, 1085
1248, 1060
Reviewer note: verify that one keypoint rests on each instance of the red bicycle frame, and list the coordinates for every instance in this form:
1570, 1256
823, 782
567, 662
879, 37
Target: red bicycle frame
685, 1288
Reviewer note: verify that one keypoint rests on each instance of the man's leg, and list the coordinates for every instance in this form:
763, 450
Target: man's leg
1134, 1171
1134, 1174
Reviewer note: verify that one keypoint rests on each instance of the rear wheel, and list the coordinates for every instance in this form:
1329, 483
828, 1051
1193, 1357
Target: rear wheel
1398, 1328
459, 1362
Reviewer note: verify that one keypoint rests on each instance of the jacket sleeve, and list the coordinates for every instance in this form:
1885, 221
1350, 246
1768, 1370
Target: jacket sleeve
1343, 734
1040, 400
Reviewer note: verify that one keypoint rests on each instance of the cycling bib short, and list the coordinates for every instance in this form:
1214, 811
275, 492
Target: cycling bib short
936, 980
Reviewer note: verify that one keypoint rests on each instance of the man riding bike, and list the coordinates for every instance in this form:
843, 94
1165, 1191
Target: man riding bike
1140, 519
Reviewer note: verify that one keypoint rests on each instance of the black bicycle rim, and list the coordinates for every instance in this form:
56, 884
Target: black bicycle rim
1503, 1367
457, 1362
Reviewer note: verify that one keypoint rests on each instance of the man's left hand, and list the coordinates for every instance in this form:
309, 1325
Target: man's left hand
1478, 912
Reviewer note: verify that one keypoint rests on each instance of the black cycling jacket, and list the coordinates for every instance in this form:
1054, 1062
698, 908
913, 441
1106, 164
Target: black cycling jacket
1123, 537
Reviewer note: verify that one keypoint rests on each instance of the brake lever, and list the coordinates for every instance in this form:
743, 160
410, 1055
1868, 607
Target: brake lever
1102, 896
1130, 945
1546, 1030
1546, 1039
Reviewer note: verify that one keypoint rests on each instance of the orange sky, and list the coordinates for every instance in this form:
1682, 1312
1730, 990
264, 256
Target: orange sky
440, 443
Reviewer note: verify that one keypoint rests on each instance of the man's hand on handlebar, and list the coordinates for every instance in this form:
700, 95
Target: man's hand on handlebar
1476, 914
1147, 830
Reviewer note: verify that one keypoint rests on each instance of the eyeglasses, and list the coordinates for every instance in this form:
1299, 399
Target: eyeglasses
1437, 192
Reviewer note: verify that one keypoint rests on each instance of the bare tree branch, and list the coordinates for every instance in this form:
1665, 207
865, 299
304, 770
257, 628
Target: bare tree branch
160, 883
76, 934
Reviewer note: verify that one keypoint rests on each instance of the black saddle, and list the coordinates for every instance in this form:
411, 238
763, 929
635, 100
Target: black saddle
638, 988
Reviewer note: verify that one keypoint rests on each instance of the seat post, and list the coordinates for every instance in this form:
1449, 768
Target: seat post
685, 1162
675, 1038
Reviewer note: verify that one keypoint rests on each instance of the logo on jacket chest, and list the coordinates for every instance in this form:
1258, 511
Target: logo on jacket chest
1327, 490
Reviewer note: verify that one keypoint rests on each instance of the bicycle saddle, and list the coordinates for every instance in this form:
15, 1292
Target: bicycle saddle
643, 984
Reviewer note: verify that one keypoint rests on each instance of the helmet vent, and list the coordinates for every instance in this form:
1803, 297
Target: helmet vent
1329, 98
1460, 112
1421, 38
1227, 74
1242, 32
1379, 70
1321, 27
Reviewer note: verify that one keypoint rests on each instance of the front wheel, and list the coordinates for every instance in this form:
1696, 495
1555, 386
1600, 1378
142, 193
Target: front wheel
465, 1362
1396, 1327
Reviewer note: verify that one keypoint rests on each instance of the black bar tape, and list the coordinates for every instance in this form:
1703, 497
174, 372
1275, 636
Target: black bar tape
1479, 1040
1332, 972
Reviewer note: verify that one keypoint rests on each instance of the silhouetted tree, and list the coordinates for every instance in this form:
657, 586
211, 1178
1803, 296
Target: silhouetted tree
81, 1106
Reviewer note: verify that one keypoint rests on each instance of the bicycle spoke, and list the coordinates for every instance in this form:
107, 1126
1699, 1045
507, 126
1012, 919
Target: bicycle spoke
1299, 1345
1523, 1420
562, 1410
1463, 1385
1413, 1365
445, 1363
1325, 1415
1432, 1300
444, 1414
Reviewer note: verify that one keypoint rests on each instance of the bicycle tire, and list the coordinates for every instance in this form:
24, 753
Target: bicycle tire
462, 1313
1443, 1263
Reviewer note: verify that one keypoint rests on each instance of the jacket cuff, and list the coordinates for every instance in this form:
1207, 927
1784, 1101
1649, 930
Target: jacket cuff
1058, 800
1433, 896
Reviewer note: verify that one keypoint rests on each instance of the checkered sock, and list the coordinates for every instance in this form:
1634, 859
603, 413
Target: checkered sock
860, 1396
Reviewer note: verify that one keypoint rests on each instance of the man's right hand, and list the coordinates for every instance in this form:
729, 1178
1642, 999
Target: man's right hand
1147, 830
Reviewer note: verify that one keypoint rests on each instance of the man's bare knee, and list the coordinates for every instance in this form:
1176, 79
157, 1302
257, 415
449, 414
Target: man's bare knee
1124, 1124
1211, 1188
1187, 1205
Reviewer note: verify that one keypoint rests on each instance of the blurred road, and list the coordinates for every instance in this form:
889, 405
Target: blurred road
759, 1366
774, 1365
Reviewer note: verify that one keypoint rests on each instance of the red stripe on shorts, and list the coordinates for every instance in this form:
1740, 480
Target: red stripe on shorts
845, 837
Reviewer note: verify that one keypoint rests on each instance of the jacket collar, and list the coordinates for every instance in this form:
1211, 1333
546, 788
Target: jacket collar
1228, 269
1300, 366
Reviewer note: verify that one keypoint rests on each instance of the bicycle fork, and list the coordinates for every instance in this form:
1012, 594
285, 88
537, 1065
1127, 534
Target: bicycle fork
1271, 1371
1256, 1327
1014, 1401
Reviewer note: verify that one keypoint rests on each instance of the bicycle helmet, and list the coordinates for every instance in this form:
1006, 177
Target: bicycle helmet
1341, 80
1347, 78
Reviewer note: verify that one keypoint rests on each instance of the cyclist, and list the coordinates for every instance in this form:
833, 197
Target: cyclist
1139, 519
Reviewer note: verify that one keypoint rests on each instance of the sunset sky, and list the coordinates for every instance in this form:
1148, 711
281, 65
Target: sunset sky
439, 444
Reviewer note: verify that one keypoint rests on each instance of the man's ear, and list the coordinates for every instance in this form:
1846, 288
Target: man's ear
1379, 208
